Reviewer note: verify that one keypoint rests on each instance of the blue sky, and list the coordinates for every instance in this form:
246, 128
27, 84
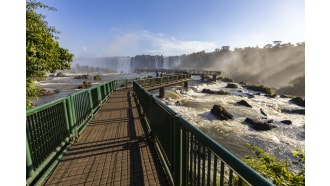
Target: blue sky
129, 28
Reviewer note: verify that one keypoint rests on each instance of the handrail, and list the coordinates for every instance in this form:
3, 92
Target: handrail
51, 128
189, 156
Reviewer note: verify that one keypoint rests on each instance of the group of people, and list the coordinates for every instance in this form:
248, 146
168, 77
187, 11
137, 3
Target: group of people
161, 74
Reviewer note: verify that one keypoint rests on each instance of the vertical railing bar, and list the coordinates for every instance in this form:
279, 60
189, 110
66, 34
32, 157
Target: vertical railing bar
203, 165
208, 166
29, 161
194, 149
230, 177
240, 181
191, 157
199, 163
215, 166
222, 173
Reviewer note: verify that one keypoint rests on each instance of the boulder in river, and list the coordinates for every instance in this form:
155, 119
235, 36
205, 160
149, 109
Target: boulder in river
220, 92
298, 101
221, 113
232, 85
47, 92
294, 111
259, 125
244, 103
85, 76
288, 122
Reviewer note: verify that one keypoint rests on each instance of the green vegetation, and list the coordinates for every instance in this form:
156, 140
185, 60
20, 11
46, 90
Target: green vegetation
43, 53
85, 84
297, 87
98, 77
261, 88
226, 79
275, 169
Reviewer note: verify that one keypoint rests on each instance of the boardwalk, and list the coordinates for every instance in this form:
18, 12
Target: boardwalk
113, 150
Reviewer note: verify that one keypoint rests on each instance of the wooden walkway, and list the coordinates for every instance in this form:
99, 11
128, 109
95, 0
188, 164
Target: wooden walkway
113, 150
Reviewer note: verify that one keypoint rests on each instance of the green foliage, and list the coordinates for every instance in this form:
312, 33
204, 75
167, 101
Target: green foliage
31, 91
261, 88
297, 87
85, 84
98, 77
226, 79
43, 53
275, 169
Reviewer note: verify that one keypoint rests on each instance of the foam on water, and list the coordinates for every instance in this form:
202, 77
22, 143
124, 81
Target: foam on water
195, 107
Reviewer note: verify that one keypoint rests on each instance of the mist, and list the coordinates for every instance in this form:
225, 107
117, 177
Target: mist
273, 66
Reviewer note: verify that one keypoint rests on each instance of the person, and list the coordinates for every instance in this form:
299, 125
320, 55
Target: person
157, 73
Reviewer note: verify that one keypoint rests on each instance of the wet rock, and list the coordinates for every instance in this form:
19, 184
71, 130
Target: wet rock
244, 103
263, 112
284, 96
271, 95
85, 76
47, 92
60, 74
298, 101
231, 85
208, 91
288, 122
294, 111
221, 113
259, 125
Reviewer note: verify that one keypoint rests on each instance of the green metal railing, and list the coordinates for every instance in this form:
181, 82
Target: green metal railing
189, 156
52, 128
162, 80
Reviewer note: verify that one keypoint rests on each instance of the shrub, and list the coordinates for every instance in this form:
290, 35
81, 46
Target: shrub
98, 77
226, 79
261, 88
277, 170
85, 84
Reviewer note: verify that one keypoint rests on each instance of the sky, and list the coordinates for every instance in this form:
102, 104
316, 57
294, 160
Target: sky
128, 28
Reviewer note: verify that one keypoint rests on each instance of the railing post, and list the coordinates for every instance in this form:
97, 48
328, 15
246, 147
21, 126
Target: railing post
73, 122
99, 95
184, 153
66, 114
177, 146
90, 99
29, 163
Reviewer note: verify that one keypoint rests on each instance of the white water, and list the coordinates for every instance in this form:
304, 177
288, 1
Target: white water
195, 107
234, 134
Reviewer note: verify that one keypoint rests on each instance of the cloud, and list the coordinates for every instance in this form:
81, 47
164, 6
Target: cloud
133, 43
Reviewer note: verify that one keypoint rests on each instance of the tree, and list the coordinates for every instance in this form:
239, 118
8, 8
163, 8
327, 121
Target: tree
43, 53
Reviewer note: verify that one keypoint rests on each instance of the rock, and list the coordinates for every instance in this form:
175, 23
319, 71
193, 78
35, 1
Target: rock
85, 84
244, 103
271, 95
250, 96
294, 111
47, 92
60, 74
231, 85
208, 91
288, 122
298, 101
85, 76
259, 125
221, 113
262, 112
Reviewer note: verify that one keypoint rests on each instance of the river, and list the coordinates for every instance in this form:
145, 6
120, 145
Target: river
195, 107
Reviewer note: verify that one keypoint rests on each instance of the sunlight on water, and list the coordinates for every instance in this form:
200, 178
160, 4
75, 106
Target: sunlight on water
234, 134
